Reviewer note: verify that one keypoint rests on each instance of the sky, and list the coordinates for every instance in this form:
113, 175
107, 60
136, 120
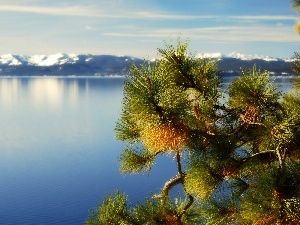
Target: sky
138, 27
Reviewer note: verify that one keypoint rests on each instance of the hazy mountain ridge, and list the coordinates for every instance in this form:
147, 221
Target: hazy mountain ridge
102, 65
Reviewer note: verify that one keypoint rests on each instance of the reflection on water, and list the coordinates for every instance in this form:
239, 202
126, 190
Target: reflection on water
9, 89
53, 92
58, 151
56, 142
47, 91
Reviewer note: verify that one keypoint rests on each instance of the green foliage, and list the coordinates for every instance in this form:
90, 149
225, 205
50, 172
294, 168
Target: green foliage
160, 100
132, 161
114, 210
200, 181
260, 202
253, 94
153, 212
238, 159
296, 4
271, 201
296, 68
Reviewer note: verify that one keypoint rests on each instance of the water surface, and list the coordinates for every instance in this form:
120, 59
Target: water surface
59, 156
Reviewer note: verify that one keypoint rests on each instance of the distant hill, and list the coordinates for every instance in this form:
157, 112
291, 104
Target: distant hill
107, 65
234, 65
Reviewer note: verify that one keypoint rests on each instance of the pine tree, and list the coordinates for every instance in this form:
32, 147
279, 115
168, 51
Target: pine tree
296, 6
241, 152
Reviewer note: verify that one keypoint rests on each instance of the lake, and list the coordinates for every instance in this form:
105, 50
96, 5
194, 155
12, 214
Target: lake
59, 156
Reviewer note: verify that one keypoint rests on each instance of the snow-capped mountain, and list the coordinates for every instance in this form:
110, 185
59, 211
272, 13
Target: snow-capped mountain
38, 60
214, 55
236, 55
73, 64
65, 64
60, 58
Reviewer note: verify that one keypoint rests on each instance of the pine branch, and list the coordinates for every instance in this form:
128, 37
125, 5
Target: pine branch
186, 207
280, 158
178, 179
260, 155
178, 160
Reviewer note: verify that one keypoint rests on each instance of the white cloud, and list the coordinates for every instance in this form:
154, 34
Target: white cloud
154, 15
67, 11
264, 17
90, 28
108, 12
159, 16
222, 33
141, 25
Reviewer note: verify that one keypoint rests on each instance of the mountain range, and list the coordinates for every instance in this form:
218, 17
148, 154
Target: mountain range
108, 65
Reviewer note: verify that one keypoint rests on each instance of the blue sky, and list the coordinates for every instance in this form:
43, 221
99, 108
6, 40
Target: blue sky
138, 27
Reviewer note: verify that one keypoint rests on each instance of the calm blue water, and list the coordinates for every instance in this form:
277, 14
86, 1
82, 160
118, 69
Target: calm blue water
58, 154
